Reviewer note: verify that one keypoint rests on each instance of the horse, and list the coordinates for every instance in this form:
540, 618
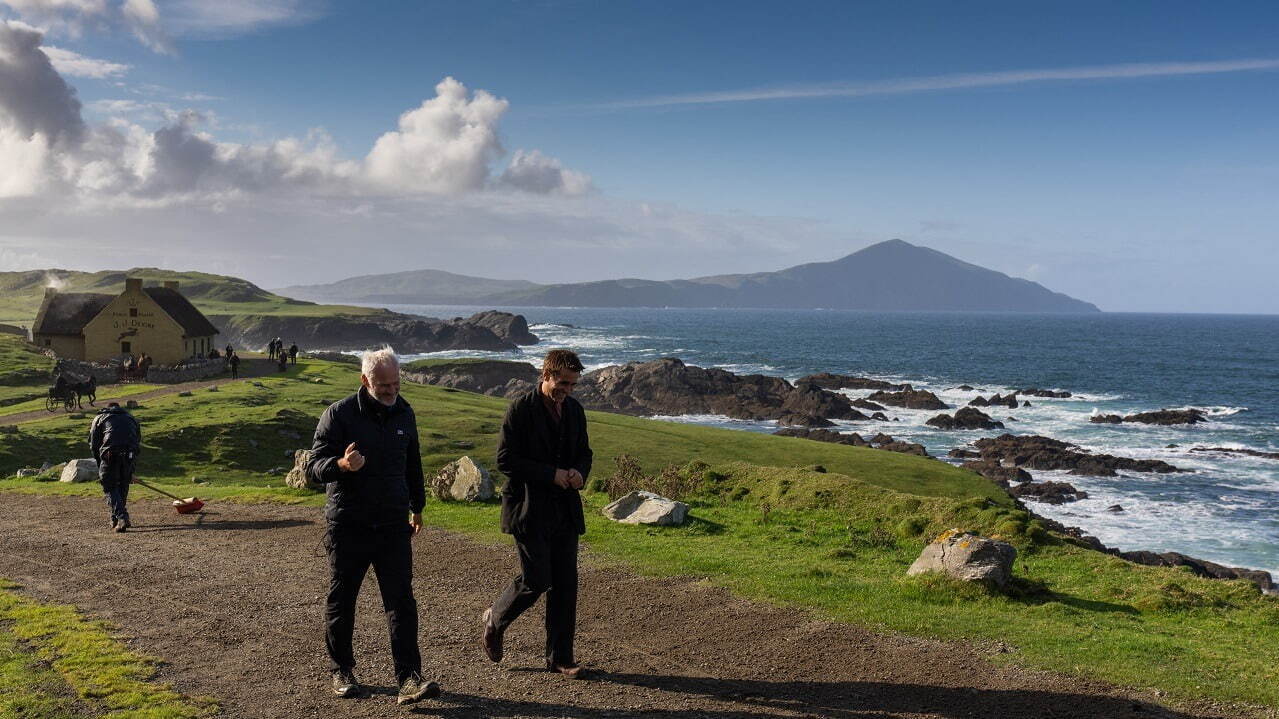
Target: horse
83, 388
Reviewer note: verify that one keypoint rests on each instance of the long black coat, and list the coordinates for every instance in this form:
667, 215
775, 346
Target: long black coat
530, 448
390, 484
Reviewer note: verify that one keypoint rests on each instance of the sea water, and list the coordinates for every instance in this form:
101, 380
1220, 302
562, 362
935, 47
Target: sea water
1228, 365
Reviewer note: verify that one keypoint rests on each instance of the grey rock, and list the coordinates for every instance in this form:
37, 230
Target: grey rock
79, 470
641, 507
967, 557
463, 480
297, 477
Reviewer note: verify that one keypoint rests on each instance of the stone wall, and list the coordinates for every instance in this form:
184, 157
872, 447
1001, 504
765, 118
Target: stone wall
188, 371
104, 372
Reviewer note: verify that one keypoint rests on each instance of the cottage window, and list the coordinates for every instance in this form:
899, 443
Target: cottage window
126, 348
48, 342
133, 311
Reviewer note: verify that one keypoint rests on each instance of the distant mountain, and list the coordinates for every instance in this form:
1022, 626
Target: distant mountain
415, 287
889, 276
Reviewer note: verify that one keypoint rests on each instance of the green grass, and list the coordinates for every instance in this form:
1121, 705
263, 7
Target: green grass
765, 525
55, 663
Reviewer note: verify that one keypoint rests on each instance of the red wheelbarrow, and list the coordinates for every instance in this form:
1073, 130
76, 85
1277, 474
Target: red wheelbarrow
183, 506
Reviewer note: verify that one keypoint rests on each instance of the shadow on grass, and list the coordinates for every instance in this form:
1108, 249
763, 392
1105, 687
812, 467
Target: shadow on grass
1033, 592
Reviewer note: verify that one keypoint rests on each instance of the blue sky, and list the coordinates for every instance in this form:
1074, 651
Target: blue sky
1123, 153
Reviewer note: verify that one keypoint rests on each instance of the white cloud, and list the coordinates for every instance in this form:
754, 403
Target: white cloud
222, 18
951, 82
143, 20
446, 145
535, 172
68, 62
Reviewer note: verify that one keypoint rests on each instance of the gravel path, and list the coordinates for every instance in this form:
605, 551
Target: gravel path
231, 600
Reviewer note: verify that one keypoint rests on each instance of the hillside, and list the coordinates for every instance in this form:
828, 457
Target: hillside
826, 528
417, 287
890, 276
21, 293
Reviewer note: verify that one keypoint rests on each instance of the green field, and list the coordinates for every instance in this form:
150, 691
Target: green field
827, 528
21, 293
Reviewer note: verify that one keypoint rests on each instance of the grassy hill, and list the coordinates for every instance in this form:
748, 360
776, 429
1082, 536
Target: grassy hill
827, 528
21, 293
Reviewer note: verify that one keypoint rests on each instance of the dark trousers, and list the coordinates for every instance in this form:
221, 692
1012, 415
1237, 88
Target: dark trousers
115, 472
548, 564
390, 550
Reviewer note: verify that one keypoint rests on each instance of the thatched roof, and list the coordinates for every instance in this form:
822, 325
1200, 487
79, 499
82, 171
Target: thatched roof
175, 305
68, 312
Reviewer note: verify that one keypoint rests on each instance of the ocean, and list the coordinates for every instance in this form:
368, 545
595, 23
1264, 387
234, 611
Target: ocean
1228, 365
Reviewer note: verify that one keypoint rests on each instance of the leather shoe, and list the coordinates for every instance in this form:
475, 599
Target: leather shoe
572, 671
492, 637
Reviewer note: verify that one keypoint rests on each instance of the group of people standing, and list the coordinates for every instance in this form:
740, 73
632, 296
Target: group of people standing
366, 454
275, 350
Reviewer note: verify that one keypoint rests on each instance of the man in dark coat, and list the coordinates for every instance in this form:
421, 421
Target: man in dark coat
115, 440
233, 361
545, 454
366, 454
293, 353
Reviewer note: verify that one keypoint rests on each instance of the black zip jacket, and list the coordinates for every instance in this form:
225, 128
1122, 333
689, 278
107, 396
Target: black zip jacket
114, 428
530, 447
390, 485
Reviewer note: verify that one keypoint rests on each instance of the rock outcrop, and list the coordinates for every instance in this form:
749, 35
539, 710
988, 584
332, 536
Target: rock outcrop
1036, 392
406, 333
1160, 417
997, 473
995, 401
492, 377
1037, 452
1202, 567
826, 380
909, 398
1248, 452
965, 418
669, 387
512, 328
641, 507
967, 557
824, 435
1048, 492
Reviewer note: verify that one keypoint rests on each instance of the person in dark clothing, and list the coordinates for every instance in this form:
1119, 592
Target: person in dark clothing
270, 350
282, 360
233, 361
115, 439
366, 454
293, 353
544, 451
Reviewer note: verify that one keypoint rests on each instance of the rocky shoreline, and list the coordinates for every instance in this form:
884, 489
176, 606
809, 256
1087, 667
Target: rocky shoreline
411, 334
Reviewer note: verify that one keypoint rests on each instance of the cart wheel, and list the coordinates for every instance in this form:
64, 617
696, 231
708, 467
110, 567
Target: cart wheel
51, 403
69, 404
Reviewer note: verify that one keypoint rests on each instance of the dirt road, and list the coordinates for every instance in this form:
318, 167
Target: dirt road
232, 601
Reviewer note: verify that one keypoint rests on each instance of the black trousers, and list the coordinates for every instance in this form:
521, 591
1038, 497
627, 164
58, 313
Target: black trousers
389, 550
115, 473
548, 565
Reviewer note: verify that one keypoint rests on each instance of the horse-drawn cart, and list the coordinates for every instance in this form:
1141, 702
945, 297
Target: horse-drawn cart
67, 392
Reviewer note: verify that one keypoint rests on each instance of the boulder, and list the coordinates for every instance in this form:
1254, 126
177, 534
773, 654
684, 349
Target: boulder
997, 473
463, 480
965, 418
1116, 508
79, 470
904, 448
961, 453
1106, 419
1048, 492
881, 417
867, 404
967, 557
910, 399
1036, 392
1037, 452
1168, 417
27, 472
297, 477
641, 507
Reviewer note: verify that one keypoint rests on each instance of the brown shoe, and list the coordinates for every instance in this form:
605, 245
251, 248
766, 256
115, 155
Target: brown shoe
492, 637
572, 671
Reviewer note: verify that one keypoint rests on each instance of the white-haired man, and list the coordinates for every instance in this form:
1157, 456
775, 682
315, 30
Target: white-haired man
366, 454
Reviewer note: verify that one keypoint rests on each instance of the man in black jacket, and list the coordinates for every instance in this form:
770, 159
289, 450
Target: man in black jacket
366, 454
545, 454
115, 439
